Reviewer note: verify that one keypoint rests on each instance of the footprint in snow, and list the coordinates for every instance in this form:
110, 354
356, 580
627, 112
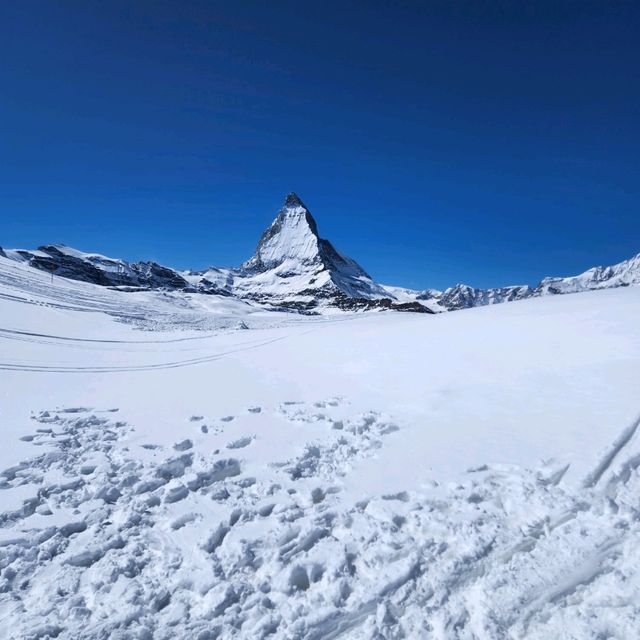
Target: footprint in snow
240, 443
183, 445
331, 402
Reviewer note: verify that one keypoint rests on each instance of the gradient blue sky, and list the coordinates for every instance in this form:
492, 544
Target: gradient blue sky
439, 142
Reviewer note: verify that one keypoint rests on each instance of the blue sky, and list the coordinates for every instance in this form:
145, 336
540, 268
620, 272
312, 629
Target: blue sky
481, 142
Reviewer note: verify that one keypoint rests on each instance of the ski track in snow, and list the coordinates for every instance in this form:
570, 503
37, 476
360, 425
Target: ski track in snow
617, 446
254, 344
102, 542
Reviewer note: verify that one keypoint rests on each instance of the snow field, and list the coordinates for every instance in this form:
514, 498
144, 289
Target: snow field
472, 475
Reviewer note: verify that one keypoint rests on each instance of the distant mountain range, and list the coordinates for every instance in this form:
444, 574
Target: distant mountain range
294, 268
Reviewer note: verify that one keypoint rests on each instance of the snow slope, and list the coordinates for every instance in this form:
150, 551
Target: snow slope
168, 473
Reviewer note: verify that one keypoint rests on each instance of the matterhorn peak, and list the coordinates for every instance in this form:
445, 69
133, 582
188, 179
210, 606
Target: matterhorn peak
295, 265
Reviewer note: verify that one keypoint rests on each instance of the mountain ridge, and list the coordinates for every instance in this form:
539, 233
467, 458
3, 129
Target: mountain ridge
293, 267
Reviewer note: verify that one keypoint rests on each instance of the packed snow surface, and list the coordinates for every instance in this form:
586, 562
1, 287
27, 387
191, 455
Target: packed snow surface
190, 466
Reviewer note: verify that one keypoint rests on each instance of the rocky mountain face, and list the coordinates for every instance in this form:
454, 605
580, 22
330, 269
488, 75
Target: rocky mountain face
463, 296
66, 262
294, 268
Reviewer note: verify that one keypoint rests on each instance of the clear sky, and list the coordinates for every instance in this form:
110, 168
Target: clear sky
435, 142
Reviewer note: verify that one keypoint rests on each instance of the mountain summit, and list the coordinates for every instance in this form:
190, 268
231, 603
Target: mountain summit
292, 236
292, 200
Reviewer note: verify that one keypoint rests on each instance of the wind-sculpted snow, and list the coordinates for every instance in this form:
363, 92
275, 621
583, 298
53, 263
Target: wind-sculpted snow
99, 541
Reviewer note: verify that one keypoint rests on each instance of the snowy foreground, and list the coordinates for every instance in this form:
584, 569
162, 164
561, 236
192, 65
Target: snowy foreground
188, 466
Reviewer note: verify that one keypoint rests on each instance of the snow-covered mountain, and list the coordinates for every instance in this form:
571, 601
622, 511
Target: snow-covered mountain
294, 268
622, 274
463, 296
237, 472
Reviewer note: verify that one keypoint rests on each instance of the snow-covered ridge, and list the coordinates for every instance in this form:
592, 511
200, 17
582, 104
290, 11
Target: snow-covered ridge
70, 263
463, 296
294, 268
622, 274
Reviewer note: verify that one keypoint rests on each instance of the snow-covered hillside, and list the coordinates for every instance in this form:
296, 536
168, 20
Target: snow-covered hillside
181, 465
